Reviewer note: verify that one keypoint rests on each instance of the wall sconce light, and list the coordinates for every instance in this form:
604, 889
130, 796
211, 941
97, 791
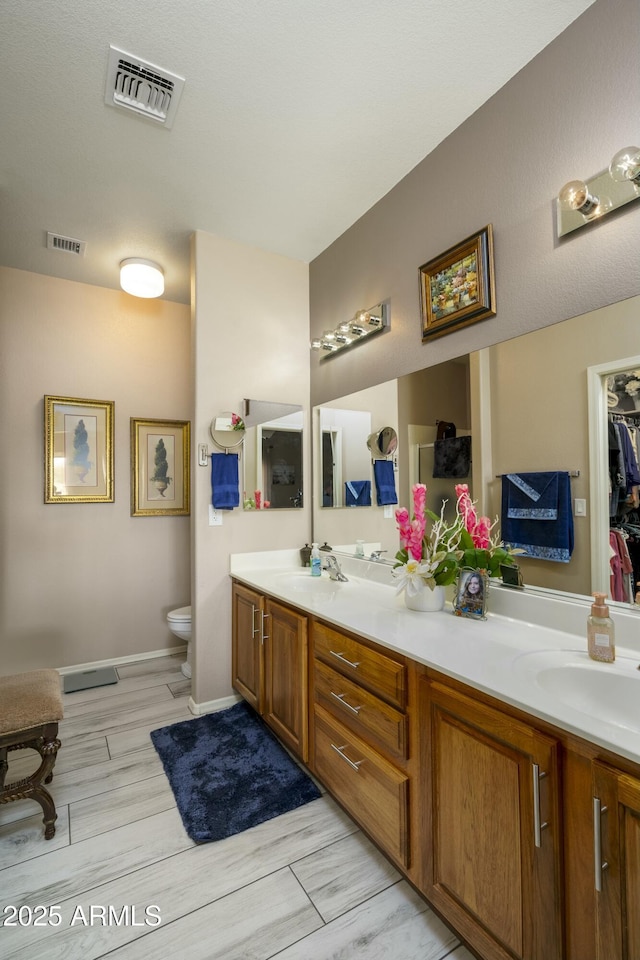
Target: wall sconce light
363, 325
141, 278
582, 201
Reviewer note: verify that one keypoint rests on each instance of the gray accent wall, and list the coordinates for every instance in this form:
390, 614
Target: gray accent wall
561, 118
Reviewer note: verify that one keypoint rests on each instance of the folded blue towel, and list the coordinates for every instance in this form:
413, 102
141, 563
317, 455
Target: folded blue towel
545, 538
385, 479
224, 480
533, 496
357, 493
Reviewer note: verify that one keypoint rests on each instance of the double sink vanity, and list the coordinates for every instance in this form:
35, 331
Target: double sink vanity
493, 762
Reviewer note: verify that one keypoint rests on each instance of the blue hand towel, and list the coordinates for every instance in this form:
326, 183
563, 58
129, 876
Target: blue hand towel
533, 496
549, 538
385, 479
224, 480
357, 493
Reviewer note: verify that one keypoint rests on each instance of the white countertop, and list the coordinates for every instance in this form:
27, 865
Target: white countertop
500, 655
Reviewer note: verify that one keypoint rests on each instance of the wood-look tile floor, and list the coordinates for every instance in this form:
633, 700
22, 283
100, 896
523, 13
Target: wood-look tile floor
305, 886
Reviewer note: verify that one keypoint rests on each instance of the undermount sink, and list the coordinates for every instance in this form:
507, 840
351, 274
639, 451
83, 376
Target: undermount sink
302, 582
610, 691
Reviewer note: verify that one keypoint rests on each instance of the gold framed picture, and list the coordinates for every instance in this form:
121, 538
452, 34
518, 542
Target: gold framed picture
471, 594
457, 287
160, 468
78, 450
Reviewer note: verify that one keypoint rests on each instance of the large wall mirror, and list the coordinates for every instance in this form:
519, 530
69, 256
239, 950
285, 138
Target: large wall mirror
273, 478
526, 404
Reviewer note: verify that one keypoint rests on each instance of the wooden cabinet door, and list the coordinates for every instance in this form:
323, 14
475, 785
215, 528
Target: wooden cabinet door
616, 861
285, 681
247, 654
491, 844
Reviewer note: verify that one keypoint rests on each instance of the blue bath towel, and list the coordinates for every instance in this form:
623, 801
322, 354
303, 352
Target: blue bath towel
384, 476
537, 516
357, 493
224, 480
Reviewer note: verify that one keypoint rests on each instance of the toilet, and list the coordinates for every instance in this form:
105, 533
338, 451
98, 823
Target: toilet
179, 622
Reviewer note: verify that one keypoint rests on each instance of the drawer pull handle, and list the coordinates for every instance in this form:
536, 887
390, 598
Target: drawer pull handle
256, 629
354, 764
341, 657
340, 698
598, 863
264, 635
538, 827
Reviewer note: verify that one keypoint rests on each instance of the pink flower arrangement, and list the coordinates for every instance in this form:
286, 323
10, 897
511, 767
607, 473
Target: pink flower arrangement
426, 558
479, 528
483, 548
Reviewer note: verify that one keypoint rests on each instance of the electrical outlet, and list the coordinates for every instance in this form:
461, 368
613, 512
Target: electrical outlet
215, 516
203, 454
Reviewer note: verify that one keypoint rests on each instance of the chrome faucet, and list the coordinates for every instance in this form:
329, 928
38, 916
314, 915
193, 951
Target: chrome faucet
377, 554
331, 564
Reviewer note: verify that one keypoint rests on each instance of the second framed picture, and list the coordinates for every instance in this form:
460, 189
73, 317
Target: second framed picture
457, 287
471, 594
160, 468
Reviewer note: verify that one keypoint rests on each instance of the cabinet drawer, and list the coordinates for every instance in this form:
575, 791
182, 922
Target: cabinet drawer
373, 670
365, 714
367, 785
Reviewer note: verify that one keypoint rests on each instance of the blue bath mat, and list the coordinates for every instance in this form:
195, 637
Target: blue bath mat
228, 773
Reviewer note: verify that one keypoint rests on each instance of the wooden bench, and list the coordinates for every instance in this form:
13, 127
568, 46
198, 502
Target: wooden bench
30, 708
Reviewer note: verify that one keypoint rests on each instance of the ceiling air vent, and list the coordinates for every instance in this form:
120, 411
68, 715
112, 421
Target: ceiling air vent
66, 244
149, 91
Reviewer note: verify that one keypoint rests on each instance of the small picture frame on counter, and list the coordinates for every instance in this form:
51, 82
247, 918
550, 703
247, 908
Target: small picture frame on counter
512, 575
471, 594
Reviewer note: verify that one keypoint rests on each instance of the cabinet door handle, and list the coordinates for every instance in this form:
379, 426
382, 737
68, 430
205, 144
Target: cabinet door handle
256, 629
340, 698
264, 617
355, 764
598, 863
538, 825
341, 657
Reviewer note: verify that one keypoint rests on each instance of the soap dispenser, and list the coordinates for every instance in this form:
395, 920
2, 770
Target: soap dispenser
601, 631
316, 562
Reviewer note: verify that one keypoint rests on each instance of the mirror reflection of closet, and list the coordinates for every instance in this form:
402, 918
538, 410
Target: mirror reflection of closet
273, 474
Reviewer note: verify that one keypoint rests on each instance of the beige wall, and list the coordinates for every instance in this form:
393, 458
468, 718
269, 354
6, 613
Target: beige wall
251, 339
82, 583
563, 116
540, 421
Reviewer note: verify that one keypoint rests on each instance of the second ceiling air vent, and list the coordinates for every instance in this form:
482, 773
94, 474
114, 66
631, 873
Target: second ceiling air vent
137, 85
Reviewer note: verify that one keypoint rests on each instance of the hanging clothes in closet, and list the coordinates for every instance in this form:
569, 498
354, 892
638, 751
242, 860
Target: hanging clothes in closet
624, 505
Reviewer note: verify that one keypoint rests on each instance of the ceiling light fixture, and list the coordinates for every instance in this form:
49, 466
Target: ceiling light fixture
141, 278
584, 201
351, 332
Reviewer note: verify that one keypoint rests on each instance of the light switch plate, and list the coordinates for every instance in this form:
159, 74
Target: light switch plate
388, 512
215, 516
580, 507
203, 454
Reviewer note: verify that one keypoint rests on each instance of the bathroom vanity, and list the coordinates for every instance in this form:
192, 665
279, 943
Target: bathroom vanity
495, 765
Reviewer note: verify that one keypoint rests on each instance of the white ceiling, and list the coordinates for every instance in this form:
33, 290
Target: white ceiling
296, 117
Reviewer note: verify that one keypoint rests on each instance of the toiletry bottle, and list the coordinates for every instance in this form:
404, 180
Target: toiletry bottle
601, 631
316, 563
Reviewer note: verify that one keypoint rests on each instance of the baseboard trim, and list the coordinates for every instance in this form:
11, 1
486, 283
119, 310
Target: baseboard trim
119, 661
210, 706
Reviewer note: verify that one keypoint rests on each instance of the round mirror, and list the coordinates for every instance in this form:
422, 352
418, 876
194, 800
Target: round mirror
227, 430
384, 442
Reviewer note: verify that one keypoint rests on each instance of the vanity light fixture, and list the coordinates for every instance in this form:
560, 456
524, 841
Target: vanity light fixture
141, 278
351, 332
583, 201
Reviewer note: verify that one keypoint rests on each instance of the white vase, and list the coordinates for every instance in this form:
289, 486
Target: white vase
427, 600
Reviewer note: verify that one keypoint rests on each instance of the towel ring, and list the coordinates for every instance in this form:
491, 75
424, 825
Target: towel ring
227, 431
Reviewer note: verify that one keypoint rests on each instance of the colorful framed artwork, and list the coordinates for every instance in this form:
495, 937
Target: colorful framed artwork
160, 468
458, 288
78, 450
471, 594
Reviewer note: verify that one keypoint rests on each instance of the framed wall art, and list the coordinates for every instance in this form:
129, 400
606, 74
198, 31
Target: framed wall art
160, 468
458, 288
78, 450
